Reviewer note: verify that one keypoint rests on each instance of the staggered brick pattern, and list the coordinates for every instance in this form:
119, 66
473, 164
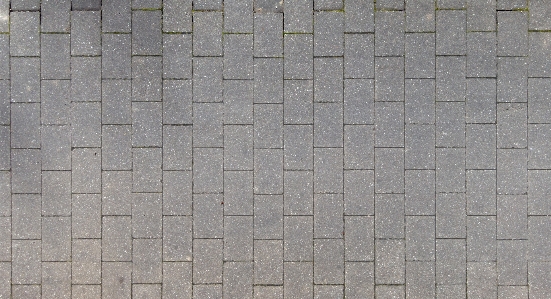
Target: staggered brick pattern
306, 149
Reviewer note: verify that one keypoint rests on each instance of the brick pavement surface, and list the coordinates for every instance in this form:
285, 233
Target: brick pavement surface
275, 149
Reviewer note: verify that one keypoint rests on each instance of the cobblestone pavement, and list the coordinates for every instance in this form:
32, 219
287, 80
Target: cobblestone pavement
306, 149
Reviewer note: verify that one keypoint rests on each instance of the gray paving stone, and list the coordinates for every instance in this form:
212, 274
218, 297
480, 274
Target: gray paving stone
420, 16
56, 147
328, 80
481, 280
25, 171
481, 15
539, 108
450, 215
116, 102
207, 33
328, 261
86, 261
481, 52
328, 291
146, 262
358, 147
177, 193
24, 33
26, 291
116, 192
86, 5
5, 239
450, 78
298, 16
481, 192
238, 56
207, 5
450, 170
5, 55
328, 176
512, 39
5, 155
358, 101
451, 262
25, 125
56, 239
359, 277
238, 193
177, 150
452, 4
451, 291
238, 238
538, 190
268, 129
116, 279
145, 4
116, 61
238, 16
358, 239
268, 35
481, 238
55, 56
177, 280
238, 281
420, 279
208, 212
25, 79
450, 124
480, 101
147, 170
419, 101
207, 170
328, 33
177, 101
389, 261
55, 16
5, 117
56, 193
86, 124
177, 16
86, 291
389, 220
207, 291
420, 59
359, 16
389, 83
208, 129
328, 5
298, 152
539, 156
147, 78
538, 286
207, 79
298, 102
25, 262
268, 82
146, 124
85, 79
511, 217
5, 271
207, 261
538, 10
390, 5
298, 238
389, 124
358, 56
512, 73
56, 280
299, 61
328, 119
512, 292
298, 280
359, 192
265, 292
117, 16
480, 146
146, 215
511, 262
146, 32
451, 28
419, 147
238, 102
117, 147
86, 216
537, 230
116, 238
298, 193
268, 171
389, 170
328, 220
26, 216
85, 33
512, 171
268, 217
389, 33
177, 238
420, 192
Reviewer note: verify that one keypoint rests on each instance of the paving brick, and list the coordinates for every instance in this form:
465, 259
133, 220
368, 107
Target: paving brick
54, 102
450, 78
481, 52
328, 220
238, 193
389, 33
116, 61
208, 129
117, 15
5, 163
298, 238
450, 124
511, 262
539, 9
328, 33
389, 124
5, 239
298, 280
451, 291
238, 238
358, 239
86, 216
389, 170
480, 101
539, 156
450, 170
26, 216
328, 5
520, 292
539, 108
298, 56
420, 192
117, 145
389, 82
328, 261
452, 4
419, 101
298, 193
86, 5
207, 79
481, 238
265, 292
86, 124
481, 192
177, 280
177, 16
207, 5
481, 280
116, 279
147, 212
5, 55
207, 291
268, 126
24, 33
537, 271
512, 79
85, 79
177, 101
298, 153
55, 56
481, 15
451, 262
268, 35
420, 16
512, 38
420, 280
208, 216
177, 238
116, 238
25, 79
25, 256
268, 217
56, 16
25, 171
298, 16
358, 147
389, 261
538, 227
238, 56
451, 36
177, 150
207, 33
26, 291
358, 56
145, 4
358, 101
511, 216
86, 291
85, 33
5, 193
116, 102
147, 173
25, 125
268, 171
358, 192
56, 193
511, 125
419, 55
146, 32
147, 78
56, 280
238, 16
146, 262
56, 148
116, 192
328, 80
328, 175
512, 171
389, 219
538, 191
238, 102
328, 119
419, 147
208, 170
207, 261
146, 126
359, 277
481, 146
177, 192
328, 291
86, 261
359, 16
238, 280
268, 80
298, 103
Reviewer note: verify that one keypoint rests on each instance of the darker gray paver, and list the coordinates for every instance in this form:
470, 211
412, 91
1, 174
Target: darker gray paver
389, 83
207, 35
55, 56
359, 16
389, 33
268, 34
328, 33
298, 16
116, 102
298, 56
512, 73
55, 16
116, 59
85, 79
390, 260
208, 130
359, 50
177, 102
207, 79
86, 5
85, 33
116, 16
24, 33
451, 37
420, 192
25, 79
298, 232
268, 83
146, 32
238, 16
328, 80
238, 56
328, 222
358, 147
